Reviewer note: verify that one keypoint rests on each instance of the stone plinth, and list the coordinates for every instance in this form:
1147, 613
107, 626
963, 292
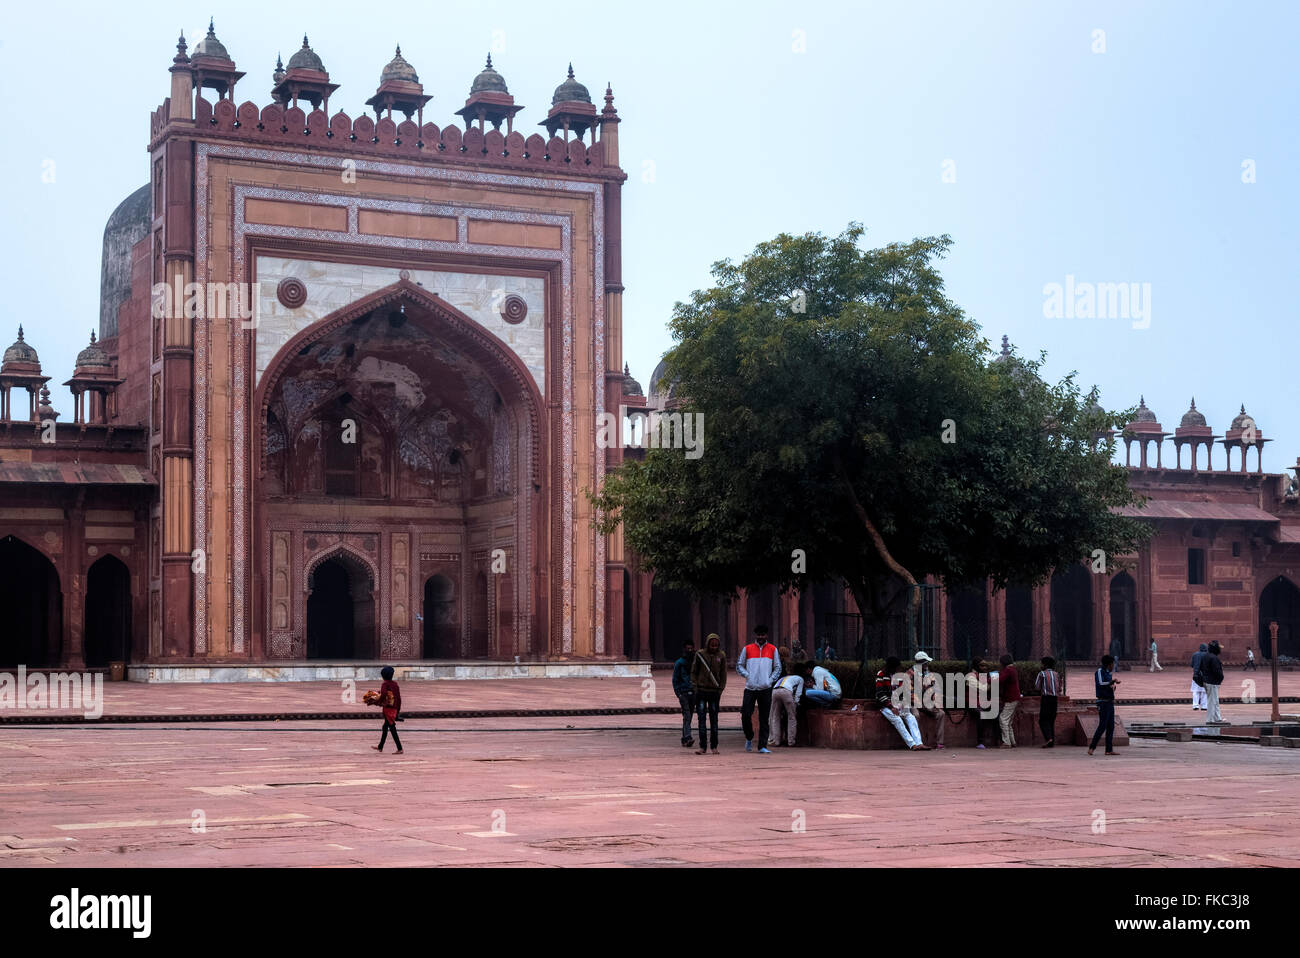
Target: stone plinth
866, 728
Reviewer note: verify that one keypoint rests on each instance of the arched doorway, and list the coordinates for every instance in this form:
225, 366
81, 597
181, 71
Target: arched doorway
968, 607
1071, 592
441, 631
32, 605
1123, 616
108, 613
402, 409
340, 610
1020, 622
1280, 602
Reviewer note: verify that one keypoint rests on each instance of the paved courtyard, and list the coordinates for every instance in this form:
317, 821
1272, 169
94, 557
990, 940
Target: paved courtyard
616, 789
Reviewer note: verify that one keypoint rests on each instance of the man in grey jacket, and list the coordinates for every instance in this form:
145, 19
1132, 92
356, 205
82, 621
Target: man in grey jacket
760, 664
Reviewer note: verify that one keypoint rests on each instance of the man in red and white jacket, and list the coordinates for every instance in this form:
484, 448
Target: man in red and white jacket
760, 664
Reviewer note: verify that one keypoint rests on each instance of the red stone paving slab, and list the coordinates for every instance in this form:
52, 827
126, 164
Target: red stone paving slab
110, 796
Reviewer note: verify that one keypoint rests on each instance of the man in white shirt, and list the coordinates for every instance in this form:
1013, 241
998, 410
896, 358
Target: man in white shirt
823, 689
785, 699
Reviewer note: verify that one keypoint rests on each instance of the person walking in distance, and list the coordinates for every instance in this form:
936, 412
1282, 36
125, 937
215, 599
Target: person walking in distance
1250, 660
1155, 658
684, 690
1009, 687
1105, 681
760, 666
709, 679
1048, 683
1212, 672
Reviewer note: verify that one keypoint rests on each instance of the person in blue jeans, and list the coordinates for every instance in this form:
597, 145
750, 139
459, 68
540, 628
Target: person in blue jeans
823, 689
684, 691
1106, 683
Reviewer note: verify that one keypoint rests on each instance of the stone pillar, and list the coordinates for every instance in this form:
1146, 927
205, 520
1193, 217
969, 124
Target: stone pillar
178, 492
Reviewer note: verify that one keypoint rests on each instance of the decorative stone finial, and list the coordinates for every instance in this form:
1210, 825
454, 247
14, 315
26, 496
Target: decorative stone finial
488, 65
20, 332
570, 70
1006, 346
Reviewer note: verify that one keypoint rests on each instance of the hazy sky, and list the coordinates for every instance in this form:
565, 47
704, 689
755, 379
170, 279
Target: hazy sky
743, 120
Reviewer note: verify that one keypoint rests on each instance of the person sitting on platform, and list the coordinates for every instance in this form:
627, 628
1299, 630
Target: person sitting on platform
826, 653
931, 689
905, 723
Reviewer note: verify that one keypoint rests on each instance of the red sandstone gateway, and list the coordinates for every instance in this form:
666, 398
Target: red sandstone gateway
386, 461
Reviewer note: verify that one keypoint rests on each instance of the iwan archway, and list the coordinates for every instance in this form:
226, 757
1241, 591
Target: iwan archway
399, 435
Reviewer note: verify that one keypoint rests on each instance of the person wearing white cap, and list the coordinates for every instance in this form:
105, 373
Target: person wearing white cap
925, 679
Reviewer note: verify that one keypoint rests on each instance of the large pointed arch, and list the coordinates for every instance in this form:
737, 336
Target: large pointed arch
403, 555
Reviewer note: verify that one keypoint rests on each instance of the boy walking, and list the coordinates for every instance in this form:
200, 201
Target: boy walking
390, 700
760, 665
1155, 658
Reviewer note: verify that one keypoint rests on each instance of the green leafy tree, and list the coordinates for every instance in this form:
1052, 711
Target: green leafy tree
852, 411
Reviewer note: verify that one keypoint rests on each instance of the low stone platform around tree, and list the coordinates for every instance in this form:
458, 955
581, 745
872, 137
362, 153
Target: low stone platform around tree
865, 728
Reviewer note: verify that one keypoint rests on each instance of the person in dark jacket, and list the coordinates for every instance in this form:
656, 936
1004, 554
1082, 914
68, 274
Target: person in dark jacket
1198, 690
684, 690
1105, 683
709, 679
1212, 673
1049, 687
390, 700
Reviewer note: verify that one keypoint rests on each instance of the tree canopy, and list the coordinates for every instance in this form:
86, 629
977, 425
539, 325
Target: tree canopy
852, 411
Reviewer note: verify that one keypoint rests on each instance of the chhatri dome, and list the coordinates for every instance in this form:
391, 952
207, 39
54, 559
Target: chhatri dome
488, 80
92, 357
570, 90
1193, 417
1143, 413
1241, 419
399, 69
210, 46
306, 59
21, 352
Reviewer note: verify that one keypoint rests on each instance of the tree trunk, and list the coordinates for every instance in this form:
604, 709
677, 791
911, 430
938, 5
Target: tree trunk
882, 550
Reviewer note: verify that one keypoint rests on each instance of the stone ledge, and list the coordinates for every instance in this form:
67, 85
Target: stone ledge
423, 671
868, 729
